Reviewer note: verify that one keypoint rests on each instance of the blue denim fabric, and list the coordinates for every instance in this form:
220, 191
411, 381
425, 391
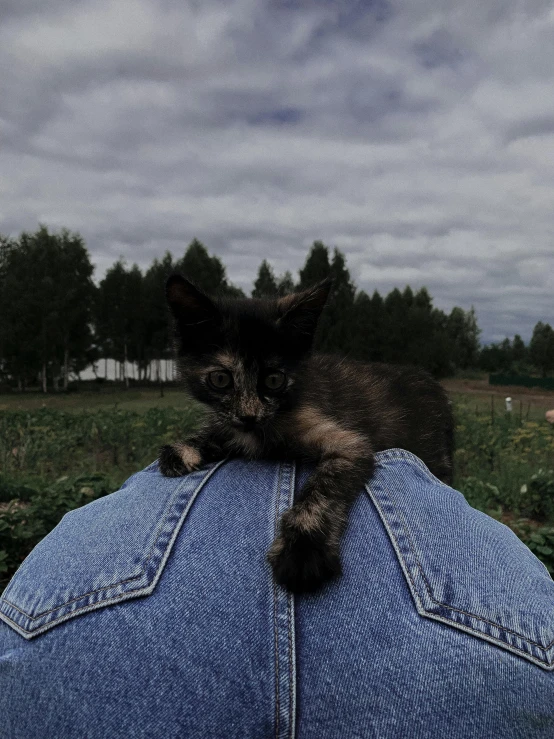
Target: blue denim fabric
442, 624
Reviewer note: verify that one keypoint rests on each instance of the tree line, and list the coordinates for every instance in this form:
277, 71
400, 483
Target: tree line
55, 320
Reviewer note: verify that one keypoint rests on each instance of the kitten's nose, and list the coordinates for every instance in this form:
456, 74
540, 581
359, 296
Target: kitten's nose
248, 422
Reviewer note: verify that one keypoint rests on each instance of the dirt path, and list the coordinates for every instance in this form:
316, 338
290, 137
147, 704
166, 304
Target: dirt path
533, 397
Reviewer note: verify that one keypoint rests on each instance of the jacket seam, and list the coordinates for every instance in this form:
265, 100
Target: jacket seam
394, 455
291, 634
71, 614
73, 600
291, 670
275, 625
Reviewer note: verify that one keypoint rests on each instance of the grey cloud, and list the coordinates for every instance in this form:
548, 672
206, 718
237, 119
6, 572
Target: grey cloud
541, 126
409, 136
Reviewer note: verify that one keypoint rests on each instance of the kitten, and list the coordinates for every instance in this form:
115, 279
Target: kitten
250, 362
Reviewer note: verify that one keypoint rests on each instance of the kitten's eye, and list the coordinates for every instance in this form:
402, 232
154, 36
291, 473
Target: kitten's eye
275, 381
220, 379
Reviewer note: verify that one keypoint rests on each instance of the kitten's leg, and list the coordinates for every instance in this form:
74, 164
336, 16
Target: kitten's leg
181, 458
306, 553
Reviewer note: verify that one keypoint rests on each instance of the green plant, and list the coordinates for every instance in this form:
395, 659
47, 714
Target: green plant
537, 496
540, 540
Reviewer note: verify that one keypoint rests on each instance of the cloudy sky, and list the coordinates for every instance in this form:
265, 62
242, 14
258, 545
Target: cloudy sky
415, 135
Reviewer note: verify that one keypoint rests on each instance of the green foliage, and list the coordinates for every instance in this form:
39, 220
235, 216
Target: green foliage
56, 322
120, 313
514, 358
317, 266
502, 451
541, 348
540, 540
156, 326
32, 443
265, 285
463, 334
46, 299
337, 326
88, 455
503, 466
537, 496
208, 272
482, 495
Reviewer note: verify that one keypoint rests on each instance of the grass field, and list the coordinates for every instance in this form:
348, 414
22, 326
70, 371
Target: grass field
58, 452
528, 404
138, 400
117, 431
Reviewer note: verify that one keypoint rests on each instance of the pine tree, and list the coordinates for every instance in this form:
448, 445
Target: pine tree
365, 328
317, 266
120, 316
519, 354
541, 348
285, 284
463, 333
157, 323
265, 285
45, 303
207, 272
336, 328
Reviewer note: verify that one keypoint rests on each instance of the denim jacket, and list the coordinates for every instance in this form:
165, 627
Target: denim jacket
152, 613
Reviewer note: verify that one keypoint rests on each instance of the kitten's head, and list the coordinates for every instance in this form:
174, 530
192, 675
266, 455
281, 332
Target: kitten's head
243, 357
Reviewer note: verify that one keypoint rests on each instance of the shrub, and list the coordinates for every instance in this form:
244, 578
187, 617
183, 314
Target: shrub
540, 540
537, 497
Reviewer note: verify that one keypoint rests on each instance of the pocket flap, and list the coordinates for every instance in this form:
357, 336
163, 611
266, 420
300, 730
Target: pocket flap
462, 567
110, 550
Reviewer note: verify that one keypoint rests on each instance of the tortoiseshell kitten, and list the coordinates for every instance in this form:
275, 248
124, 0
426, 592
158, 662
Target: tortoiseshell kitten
250, 362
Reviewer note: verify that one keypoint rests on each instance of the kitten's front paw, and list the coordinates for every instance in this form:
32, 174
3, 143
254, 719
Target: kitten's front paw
303, 562
178, 460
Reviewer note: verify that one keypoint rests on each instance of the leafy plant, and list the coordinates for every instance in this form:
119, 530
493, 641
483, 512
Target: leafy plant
537, 496
540, 540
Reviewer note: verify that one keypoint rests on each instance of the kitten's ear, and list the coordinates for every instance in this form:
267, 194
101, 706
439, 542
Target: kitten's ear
197, 318
188, 304
300, 311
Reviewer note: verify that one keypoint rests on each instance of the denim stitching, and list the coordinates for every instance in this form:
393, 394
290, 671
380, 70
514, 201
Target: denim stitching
275, 628
290, 663
136, 577
407, 569
290, 616
71, 614
388, 455
460, 610
73, 600
450, 621
393, 455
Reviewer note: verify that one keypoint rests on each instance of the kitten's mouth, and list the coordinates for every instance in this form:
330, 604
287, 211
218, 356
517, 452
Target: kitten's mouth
246, 426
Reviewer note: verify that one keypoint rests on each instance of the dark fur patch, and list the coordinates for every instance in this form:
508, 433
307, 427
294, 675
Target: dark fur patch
334, 412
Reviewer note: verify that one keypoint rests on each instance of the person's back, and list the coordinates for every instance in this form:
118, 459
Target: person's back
442, 624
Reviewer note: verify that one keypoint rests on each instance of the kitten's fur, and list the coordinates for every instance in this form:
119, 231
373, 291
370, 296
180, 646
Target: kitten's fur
333, 412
